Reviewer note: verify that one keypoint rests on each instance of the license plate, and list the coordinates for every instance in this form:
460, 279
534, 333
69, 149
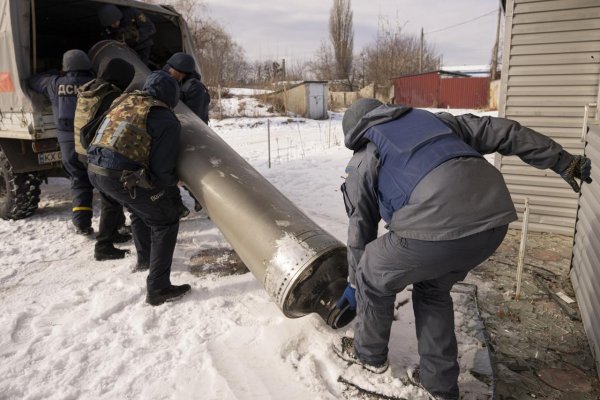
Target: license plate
50, 157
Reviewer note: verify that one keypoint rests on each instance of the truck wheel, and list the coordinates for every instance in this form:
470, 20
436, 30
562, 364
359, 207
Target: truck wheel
19, 193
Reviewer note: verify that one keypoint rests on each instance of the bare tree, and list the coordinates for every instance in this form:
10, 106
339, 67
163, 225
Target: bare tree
323, 66
222, 61
341, 34
393, 54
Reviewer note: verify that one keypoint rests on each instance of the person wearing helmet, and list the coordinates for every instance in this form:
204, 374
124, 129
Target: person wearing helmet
447, 210
132, 160
61, 90
128, 25
194, 94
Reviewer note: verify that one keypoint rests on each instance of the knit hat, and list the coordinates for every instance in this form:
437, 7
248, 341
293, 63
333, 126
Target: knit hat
109, 14
182, 62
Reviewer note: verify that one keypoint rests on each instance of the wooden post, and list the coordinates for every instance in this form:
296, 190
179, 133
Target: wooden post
220, 105
269, 140
522, 248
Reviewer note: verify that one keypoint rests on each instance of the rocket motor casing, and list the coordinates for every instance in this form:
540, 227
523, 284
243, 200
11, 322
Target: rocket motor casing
302, 267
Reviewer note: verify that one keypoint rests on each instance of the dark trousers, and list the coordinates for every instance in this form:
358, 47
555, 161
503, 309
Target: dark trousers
111, 218
81, 189
388, 265
154, 222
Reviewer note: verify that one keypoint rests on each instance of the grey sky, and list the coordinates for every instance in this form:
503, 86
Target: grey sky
294, 29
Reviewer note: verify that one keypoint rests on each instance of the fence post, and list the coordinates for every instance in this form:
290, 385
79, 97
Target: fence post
269, 140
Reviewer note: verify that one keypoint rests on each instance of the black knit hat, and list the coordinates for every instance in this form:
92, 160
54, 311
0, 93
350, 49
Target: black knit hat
182, 62
109, 14
356, 111
118, 72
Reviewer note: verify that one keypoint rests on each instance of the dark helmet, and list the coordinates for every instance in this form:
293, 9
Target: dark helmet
109, 14
182, 62
163, 87
76, 60
356, 111
118, 72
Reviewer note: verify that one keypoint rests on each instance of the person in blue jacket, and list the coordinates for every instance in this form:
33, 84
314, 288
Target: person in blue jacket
61, 90
132, 160
130, 26
447, 210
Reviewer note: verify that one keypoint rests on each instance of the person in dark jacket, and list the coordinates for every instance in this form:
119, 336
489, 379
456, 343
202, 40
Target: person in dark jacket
130, 26
132, 159
194, 94
447, 210
61, 89
94, 99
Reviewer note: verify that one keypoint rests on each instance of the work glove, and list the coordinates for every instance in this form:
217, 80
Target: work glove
348, 298
580, 167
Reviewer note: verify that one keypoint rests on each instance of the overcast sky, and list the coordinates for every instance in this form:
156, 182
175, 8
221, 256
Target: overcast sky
294, 29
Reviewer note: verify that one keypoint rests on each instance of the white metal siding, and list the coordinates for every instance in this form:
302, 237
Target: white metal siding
586, 249
551, 70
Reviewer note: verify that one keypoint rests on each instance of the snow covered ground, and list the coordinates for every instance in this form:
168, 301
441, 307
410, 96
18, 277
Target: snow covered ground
75, 328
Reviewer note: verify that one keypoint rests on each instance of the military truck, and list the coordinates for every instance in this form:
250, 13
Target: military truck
33, 36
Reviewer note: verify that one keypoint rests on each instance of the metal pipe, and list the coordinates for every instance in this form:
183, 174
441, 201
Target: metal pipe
302, 267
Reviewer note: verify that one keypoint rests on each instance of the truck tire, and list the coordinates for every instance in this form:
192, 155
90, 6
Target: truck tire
19, 193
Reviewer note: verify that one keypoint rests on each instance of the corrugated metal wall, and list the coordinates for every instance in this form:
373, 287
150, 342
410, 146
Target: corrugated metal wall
585, 274
417, 90
464, 92
551, 69
435, 89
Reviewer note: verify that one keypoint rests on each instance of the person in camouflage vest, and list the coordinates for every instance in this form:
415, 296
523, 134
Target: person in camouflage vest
132, 159
94, 99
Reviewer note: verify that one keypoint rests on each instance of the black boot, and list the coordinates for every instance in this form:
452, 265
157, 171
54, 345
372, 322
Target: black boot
140, 266
109, 253
118, 237
170, 293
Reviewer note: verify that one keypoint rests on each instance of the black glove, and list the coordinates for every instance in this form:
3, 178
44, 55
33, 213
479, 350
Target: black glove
348, 297
580, 167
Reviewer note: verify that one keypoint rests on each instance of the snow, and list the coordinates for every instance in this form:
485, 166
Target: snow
72, 327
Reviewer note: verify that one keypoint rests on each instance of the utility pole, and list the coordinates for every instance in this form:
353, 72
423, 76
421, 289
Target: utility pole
494, 66
283, 67
421, 52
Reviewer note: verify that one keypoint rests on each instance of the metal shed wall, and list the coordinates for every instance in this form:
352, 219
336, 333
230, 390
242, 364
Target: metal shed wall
586, 249
550, 71
464, 92
417, 90
440, 89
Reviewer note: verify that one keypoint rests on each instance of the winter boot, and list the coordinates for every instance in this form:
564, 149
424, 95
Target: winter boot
84, 230
170, 293
109, 253
118, 237
414, 377
344, 349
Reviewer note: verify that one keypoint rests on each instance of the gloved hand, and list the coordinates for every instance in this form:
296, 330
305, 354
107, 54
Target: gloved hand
348, 297
579, 168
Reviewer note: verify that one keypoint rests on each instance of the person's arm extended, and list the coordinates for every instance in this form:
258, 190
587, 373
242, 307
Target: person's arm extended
165, 130
360, 198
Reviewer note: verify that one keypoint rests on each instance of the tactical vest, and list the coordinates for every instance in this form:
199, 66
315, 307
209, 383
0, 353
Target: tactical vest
409, 148
124, 131
88, 103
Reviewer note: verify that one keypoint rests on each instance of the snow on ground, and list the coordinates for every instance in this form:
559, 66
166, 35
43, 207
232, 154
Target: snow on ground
75, 328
